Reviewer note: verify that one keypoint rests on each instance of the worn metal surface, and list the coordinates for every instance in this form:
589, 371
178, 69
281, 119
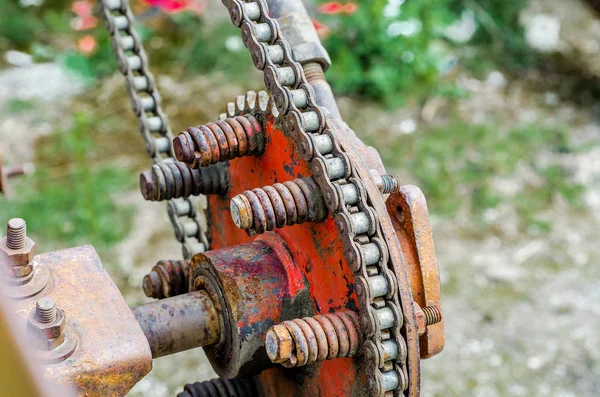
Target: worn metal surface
301, 342
254, 286
173, 180
112, 353
179, 323
282, 204
410, 217
20, 374
167, 278
221, 141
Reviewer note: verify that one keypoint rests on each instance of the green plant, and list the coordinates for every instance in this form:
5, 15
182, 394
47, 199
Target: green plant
462, 164
69, 201
383, 56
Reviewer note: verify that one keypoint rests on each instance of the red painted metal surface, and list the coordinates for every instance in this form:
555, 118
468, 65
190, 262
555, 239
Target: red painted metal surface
317, 253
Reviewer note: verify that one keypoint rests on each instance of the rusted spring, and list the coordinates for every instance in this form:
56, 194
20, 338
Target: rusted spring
220, 141
236, 387
318, 338
433, 314
390, 184
167, 278
169, 180
289, 203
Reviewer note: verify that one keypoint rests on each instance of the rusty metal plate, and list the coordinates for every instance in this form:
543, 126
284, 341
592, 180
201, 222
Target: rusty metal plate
410, 217
112, 353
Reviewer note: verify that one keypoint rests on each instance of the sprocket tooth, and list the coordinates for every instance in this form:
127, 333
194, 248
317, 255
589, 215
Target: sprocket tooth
222, 116
263, 100
271, 107
240, 103
250, 101
231, 109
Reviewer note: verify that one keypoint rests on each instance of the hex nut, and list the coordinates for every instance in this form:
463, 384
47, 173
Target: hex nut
20, 257
46, 330
279, 344
47, 343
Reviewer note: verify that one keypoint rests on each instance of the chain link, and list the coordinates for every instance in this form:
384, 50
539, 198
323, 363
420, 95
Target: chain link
366, 251
153, 123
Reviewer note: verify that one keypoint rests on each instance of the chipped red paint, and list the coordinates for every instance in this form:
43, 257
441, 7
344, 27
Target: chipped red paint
317, 255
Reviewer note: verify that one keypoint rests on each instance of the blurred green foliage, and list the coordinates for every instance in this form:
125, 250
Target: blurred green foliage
461, 163
388, 51
69, 199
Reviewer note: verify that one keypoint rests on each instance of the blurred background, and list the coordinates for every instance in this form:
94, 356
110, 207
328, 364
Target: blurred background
491, 107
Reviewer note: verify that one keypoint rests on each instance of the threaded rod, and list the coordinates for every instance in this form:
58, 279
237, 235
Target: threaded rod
433, 314
289, 203
16, 234
45, 310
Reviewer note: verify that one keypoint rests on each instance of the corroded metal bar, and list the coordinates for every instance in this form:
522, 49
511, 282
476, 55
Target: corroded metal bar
179, 323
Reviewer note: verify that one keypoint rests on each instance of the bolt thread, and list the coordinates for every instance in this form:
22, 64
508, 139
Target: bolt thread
45, 310
313, 72
219, 387
433, 314
170, 179
16, 234
168, 278
317, 338
289, 203
220, 141
390, 184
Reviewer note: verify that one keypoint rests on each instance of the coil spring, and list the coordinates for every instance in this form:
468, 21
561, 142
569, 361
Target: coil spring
433, 314
220, 141
390, 184
171, 179
276, 206
167, 278
317, 338
237, 387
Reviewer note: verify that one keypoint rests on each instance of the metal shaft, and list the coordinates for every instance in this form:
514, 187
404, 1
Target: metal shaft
179, 323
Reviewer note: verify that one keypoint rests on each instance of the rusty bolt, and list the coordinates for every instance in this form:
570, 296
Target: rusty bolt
279, 344
46, 323
16, 249
16, 233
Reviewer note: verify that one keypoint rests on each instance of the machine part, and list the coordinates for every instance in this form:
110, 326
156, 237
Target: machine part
433, 315
323, 94
304, 341
49, 334
146, 104
220, 141
409, 214
16, 252
371, 277
253, 286
20, 374
170, 180
297, 28
168, 278
112, 353
220, 387
279, 205
179, 323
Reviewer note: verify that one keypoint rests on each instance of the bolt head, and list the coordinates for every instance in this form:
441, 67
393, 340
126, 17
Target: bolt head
279, 344
22, 257
241, 212
51, 330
